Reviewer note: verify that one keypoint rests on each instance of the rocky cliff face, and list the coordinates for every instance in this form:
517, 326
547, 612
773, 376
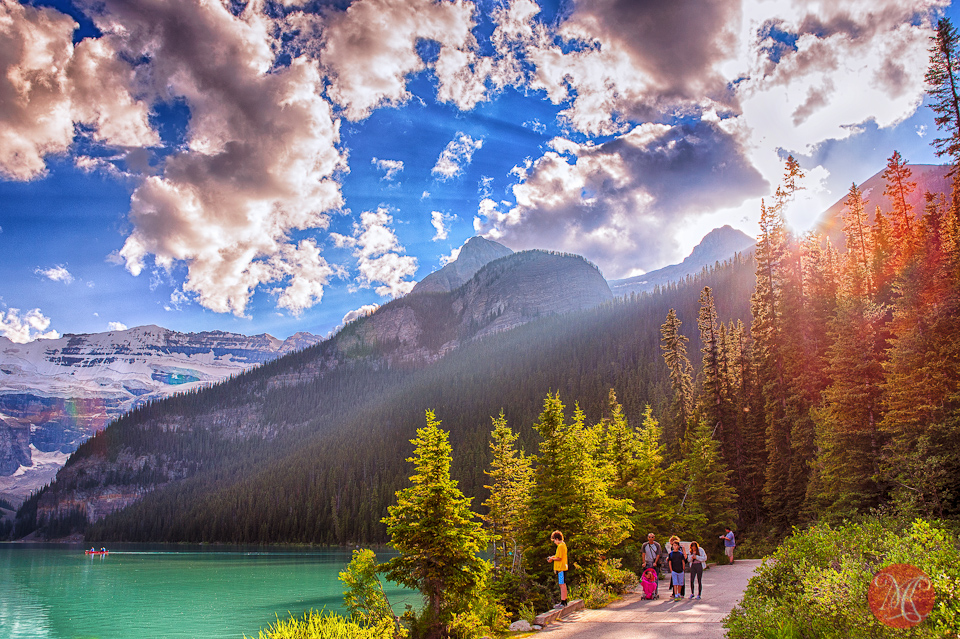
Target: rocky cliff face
14, 445
502, 295
718, 245
474, 255
54, 394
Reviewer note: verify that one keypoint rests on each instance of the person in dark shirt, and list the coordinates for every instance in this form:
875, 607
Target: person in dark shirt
677, 561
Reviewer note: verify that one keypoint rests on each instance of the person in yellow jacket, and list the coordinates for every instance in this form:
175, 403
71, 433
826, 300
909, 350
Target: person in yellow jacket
560, 565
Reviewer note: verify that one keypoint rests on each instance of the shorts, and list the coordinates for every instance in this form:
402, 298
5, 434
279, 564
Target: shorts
560, 574
677, 578
729, 550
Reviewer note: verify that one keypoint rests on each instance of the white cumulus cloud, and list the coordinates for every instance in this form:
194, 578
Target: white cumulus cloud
259, 162
456, 155
48, 84
117, 326
390, 168
363, 311
58, 273
446, 259
753, 80
379, 254
439, 221
27, 327
369, 50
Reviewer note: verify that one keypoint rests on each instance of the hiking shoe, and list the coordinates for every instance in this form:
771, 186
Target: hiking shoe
698, 596
691, 596
558, 606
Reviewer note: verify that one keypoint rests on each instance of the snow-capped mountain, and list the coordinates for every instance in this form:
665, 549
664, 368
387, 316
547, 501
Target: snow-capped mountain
56, 393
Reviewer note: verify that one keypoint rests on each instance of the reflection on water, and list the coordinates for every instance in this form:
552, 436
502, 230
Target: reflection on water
55, 591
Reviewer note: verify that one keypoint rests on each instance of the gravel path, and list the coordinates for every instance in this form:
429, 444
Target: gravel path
636, 618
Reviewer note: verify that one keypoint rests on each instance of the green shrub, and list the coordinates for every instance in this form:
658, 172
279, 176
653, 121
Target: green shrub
609, 574
316, 625
815, 584
517, 590
594, 595
527, 613
753, 546
364, 596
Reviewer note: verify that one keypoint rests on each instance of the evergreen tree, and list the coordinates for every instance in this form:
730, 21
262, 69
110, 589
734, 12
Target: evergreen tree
435, 532
856, 232
636, 460
922, 374
619, 446
511, 477
768, 330
881, 262
364, 596
571, 493
898, 188
748, 408
647, 489
848, 437
714, 395
943, 87
710, 500
673, 343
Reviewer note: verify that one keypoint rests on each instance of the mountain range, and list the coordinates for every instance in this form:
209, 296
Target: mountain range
54, 394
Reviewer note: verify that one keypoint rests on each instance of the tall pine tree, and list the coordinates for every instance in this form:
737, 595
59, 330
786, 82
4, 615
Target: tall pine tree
571, 493
511, 477
436, 534
673, 343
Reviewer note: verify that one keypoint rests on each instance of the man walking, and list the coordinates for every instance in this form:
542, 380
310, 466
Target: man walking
651, 552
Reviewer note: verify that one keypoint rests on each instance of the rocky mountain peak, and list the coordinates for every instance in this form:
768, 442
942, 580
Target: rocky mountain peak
474, 255
718, 245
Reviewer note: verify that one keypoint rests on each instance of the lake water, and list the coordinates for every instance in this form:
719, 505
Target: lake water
55, 591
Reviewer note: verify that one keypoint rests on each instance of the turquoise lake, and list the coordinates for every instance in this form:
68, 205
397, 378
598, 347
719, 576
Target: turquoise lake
55, 591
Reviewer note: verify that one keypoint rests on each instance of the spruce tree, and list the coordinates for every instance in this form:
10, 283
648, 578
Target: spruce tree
673, 343
848, 421
922, 381
619, 445
571, 493
710, 500
511, 478
436, 534
856, 232
647, 490
714, 393
898, 188
943, 87
767, 330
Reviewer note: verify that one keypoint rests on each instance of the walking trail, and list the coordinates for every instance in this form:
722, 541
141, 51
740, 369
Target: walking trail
636, 618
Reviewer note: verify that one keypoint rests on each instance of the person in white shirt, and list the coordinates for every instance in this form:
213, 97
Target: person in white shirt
697, 560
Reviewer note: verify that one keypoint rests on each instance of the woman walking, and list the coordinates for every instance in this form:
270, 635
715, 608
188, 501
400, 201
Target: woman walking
697, 560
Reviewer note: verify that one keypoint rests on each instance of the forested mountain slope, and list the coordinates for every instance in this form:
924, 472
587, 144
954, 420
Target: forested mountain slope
304, 450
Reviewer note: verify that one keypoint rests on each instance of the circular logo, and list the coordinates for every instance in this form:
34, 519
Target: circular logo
901, 596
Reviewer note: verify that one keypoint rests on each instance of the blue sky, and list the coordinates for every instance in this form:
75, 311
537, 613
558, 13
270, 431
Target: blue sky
274, 166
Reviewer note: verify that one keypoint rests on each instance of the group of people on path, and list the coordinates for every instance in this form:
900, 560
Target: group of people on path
653, 555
